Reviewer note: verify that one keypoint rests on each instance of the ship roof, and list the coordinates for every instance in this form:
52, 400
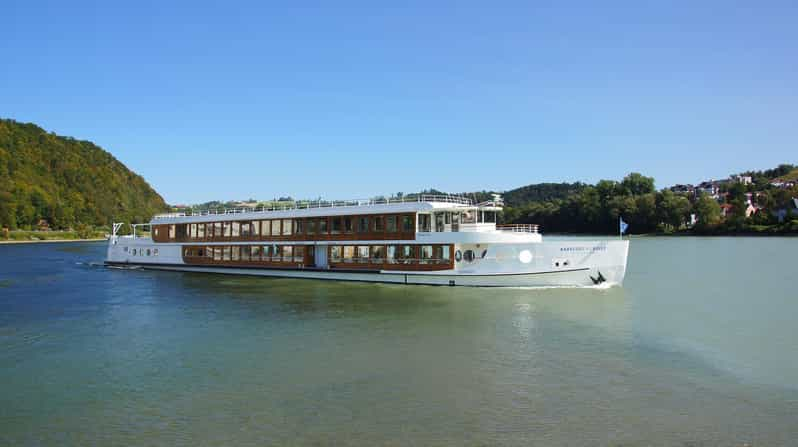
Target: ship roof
329, 208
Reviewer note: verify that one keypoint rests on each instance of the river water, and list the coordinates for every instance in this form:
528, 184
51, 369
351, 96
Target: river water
699, 347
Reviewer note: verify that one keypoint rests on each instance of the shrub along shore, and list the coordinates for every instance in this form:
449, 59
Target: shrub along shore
21, 236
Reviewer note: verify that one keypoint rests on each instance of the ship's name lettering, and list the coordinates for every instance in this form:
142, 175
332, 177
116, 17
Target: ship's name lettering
594, 248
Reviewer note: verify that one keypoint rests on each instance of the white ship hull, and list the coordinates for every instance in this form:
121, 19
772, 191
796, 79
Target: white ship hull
589, 263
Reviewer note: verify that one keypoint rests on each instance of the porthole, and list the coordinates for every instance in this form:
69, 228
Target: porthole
458, 256
148, 252
557, 264
525, 256
565, 263
469, 256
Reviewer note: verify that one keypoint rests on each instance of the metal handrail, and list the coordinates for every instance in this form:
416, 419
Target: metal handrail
519, 228
306, 204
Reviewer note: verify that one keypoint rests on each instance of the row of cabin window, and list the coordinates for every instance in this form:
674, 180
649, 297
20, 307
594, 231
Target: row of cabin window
391, 254
443, 218
269, 253
361, 254
287, 227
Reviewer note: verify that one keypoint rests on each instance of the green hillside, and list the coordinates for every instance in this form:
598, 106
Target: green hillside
66, 182
541, 192
791, 176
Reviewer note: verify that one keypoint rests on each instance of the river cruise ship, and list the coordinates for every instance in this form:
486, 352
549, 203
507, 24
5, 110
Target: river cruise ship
429, 239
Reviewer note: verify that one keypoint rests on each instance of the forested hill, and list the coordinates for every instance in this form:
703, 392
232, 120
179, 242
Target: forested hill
541, 192
66, 182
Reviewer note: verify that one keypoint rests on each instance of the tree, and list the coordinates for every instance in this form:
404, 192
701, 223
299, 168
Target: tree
739, 205
637, 184
708, 212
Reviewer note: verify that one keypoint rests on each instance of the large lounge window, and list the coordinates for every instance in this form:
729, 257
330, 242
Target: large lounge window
439, 219
299, 226
246, 229
287, 227
379, 224
255, 255
337, 225
235, 229
336, 253
201, 231
227, 228
236, 252
444, 254
323, 225
408, 252
362, 253
377, 254
390, 224
469, 217
363, 224
424, 223
349, 253
311, 229
390, 256
348, 225
276, 253
217, 230
226, 253
245, 252
171, 231
299, 253
407, 223
426, 254
288, 253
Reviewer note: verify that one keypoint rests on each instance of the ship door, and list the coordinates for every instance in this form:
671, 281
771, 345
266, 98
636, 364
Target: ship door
321, 257
310, 256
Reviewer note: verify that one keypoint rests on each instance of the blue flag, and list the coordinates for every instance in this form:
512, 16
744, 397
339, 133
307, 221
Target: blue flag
623, 225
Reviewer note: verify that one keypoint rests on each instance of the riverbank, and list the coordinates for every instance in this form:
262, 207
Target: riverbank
27, 237
42, 241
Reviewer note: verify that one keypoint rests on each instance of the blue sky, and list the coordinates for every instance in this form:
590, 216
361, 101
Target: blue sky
231, 100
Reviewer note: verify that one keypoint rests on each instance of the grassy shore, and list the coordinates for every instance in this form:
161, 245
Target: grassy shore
21, 236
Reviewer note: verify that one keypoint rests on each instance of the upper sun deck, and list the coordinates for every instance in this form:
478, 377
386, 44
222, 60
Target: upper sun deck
416, 204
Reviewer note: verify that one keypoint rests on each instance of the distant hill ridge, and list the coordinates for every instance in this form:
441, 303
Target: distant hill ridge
66, 182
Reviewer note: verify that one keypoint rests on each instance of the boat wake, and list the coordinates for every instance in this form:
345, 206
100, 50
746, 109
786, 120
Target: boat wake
91, 264
602, 286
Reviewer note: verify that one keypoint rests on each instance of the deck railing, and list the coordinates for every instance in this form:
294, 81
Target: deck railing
519, 228
309, 204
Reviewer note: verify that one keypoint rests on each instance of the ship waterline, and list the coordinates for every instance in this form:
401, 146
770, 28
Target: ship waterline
433, 240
